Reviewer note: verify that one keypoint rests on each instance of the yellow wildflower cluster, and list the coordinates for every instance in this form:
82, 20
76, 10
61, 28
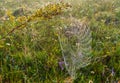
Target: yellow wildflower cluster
9, 14
46, 12
22, 19
51, 10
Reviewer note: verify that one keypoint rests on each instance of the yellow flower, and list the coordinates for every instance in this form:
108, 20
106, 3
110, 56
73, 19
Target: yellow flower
9, 14
22, 19
11, 17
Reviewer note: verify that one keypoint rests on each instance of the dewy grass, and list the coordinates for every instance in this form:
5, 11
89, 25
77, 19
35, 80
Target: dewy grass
32, 54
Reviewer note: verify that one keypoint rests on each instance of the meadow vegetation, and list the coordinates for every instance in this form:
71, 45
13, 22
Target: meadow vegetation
30, 50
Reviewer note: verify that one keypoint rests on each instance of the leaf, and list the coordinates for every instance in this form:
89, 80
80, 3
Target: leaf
1, 43
1, 46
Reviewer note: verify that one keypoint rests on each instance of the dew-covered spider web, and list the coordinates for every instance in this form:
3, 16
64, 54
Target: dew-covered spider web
75, 41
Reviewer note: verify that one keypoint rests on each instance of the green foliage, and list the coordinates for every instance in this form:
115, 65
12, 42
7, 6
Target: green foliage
31, 54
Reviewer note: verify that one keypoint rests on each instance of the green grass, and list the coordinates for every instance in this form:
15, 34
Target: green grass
31, 54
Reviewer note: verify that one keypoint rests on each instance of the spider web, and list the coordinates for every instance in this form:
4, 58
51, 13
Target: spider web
75, 41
